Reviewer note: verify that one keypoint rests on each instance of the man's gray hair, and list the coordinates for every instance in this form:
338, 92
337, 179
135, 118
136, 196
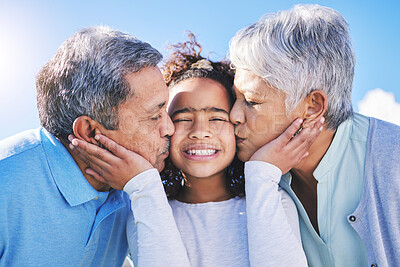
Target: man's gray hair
86, 77
298, 51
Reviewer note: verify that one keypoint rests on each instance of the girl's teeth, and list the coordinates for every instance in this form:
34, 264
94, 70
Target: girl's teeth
205, 152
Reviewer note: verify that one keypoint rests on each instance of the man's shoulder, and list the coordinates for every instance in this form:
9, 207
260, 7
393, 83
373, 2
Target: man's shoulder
19, 143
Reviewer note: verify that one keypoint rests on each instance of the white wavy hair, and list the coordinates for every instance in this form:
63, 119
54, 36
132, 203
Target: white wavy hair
298, 51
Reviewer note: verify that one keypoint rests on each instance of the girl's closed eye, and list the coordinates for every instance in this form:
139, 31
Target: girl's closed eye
218, 119
181, 120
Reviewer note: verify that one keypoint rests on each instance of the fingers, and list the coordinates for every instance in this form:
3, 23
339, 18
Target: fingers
303, 141
104, 165
98, 165
304, 156
318, 125
85, 158
97, 158
120, 153
286, 136
92, 152
115, 148
96, 175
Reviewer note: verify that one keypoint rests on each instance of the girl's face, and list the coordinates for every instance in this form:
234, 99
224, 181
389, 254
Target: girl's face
204, 141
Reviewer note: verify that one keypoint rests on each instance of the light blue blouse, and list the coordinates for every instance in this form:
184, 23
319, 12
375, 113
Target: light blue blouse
340, 186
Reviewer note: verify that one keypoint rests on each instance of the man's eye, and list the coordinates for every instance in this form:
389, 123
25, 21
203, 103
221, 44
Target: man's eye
156, 118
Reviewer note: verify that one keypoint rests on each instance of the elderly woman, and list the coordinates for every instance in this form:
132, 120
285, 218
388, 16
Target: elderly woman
300, 63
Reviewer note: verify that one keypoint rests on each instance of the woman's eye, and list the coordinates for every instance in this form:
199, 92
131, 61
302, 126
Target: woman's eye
250, 103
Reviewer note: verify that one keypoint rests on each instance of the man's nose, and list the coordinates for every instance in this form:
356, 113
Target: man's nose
167, 127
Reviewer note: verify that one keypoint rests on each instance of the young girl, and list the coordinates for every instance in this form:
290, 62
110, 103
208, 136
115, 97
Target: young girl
210, 207
205, 185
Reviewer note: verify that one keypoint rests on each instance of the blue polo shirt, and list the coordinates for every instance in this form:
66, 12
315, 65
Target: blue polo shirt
49, 214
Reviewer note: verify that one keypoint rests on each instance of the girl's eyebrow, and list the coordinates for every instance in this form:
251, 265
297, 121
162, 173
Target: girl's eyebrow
189, 110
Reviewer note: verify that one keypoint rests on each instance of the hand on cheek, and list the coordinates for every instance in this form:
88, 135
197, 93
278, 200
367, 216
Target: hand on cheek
114, 165
290, 147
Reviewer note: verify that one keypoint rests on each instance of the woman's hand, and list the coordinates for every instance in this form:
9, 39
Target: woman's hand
115, 166
287, 150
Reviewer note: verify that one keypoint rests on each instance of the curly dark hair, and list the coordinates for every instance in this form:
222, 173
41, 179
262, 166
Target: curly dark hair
179, 67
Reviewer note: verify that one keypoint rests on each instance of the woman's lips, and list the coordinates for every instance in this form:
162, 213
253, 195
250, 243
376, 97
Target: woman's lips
239, 140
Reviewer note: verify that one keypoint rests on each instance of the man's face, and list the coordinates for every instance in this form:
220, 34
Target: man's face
144, 124
259, 113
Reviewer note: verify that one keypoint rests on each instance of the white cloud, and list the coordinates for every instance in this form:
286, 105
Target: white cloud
380, 104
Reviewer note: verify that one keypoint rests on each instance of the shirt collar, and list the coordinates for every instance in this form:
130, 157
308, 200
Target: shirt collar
286, 180
68, 177
336, 149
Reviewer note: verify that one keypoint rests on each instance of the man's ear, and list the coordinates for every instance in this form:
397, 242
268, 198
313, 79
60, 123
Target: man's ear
316, 104
86, 128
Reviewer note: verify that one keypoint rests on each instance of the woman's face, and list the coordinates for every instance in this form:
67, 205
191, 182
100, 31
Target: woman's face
204, 140
259, 113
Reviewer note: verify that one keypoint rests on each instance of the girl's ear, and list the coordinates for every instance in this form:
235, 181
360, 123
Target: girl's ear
316, 104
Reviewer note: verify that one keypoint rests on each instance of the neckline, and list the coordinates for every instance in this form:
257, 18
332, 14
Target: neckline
210, 203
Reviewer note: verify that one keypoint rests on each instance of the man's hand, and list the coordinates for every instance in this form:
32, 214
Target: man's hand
287, 150
115, 166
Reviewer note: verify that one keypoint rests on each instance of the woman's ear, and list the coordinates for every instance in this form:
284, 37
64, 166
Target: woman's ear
86, 128
316, 104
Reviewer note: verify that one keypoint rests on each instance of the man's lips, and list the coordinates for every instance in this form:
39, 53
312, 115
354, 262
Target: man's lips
166, 148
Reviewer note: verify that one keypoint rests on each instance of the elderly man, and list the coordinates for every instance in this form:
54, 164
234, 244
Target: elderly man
300, 63
53, 212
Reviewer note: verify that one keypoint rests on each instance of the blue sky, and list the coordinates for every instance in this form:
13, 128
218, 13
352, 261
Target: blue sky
31, 32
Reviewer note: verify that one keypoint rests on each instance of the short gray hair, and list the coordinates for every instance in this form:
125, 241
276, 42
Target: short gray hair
86, 77
298, 51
